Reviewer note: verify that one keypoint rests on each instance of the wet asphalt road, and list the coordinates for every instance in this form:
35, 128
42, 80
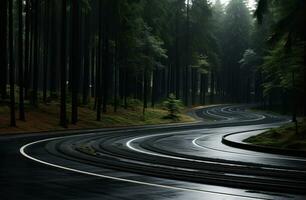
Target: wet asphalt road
158, 162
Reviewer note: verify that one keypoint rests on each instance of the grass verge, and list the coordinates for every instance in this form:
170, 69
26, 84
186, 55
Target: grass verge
46, 118
284, 137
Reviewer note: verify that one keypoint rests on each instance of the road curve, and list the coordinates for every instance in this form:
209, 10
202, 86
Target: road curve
183, 161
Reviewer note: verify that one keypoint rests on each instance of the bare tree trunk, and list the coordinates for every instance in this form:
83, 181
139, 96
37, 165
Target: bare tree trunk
212, 87
26, 49
145, 90
3, 43
177, 57
53, 50
12, 66
63, 111
105, 67
20, 69
186, 81
98, 67
46, 52
35, 65
75, 9
92, 73
86, 61
116, 71
203, 89
125, 87
304, 94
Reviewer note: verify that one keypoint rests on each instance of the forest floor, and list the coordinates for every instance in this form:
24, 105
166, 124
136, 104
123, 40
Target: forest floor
284, 137
46, 118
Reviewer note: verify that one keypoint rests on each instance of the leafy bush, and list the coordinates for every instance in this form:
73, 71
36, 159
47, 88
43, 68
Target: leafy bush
173, 106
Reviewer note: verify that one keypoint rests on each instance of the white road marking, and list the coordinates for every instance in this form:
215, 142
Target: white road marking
209, 112
259, 117
218, 116
130, 146
195, 143
23, 152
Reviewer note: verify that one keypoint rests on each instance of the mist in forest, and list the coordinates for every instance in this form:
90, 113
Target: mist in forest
106, 54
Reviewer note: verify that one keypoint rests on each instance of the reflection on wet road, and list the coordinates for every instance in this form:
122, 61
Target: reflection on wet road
186, 161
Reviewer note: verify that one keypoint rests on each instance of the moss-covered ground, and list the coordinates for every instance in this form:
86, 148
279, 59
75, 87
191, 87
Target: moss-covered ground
46, 118
285, 137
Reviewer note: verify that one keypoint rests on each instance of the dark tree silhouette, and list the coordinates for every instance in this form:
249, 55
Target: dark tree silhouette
63, 111
20, 62
3, 44
26, 48
12, 65
75, 59
118, 53
36, 54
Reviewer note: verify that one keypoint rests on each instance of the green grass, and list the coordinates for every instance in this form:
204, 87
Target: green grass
46, 116
284, 137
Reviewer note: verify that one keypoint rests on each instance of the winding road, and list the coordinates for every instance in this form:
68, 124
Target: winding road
177, 161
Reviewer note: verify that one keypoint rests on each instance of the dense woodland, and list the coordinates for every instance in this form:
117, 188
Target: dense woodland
110, 51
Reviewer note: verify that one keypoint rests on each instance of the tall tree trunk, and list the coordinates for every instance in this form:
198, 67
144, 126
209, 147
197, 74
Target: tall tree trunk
3, 43
125, 87
53, 52
35, 64
46, 52
75, 9
212, 87
92, 73
304, 94
106, 66
63, 111
12, 66
145, 89
195, 86
154, 88
116, 72
203, 89
169, 80
97, 74
193, 82
98, 67
31, 53
86, 60
186, 81
26, 49
177, 56
20, 69
45, 78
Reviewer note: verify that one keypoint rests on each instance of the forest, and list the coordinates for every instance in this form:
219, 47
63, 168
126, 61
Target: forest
106, 54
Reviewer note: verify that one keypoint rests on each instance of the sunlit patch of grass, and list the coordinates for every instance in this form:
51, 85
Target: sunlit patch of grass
284, 137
